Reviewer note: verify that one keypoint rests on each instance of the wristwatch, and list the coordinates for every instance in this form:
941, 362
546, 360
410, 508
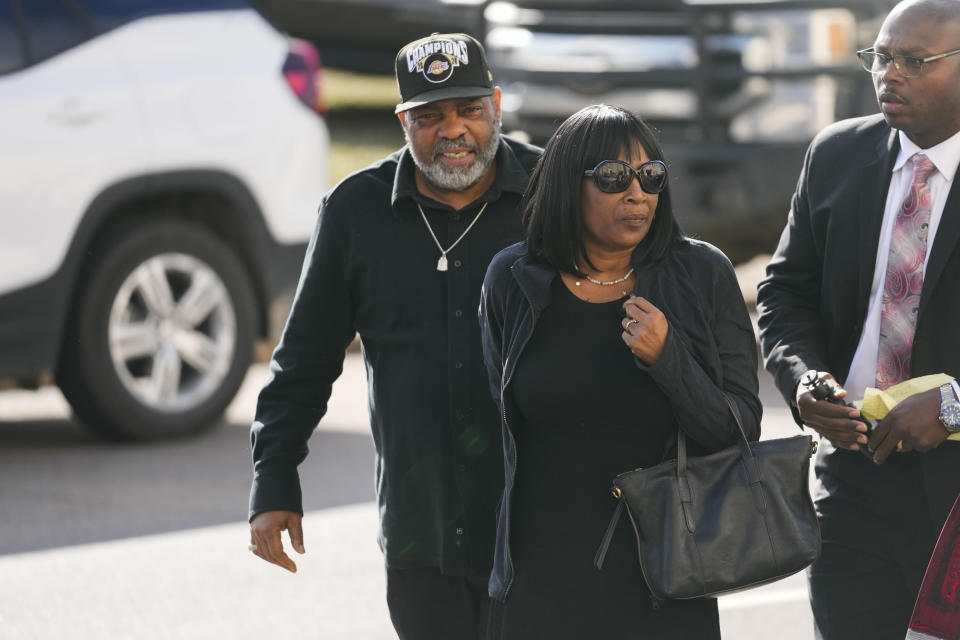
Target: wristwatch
949, 409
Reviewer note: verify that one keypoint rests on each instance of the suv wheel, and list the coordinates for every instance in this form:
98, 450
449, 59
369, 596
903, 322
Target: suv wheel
161, 334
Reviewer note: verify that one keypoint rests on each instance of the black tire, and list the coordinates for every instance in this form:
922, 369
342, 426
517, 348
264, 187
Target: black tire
143, 396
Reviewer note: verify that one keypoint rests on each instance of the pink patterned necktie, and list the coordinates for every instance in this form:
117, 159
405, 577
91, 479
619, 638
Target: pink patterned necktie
904, 279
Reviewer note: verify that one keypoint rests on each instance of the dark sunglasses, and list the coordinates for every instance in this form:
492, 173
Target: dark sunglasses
615, 176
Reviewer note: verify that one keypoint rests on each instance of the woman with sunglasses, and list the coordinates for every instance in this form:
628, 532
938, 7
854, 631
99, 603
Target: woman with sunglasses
604, 331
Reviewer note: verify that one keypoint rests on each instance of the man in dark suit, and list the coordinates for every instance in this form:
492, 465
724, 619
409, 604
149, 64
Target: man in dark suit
865, 289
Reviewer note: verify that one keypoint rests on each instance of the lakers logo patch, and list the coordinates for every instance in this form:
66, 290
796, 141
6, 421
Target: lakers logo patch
438, 68
437, 60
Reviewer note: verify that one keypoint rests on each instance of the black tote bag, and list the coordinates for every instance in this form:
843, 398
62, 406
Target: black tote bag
735, 519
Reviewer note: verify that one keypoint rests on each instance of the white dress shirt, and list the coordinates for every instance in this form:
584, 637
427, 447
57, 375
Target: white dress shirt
945, 157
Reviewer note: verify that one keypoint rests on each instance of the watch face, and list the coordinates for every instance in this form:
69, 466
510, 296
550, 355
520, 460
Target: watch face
950, 415
949, 410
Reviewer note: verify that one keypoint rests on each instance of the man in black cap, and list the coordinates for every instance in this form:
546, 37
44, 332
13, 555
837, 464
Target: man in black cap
398, 255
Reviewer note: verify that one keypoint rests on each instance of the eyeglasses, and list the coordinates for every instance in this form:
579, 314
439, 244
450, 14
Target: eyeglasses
615, 176
907, 66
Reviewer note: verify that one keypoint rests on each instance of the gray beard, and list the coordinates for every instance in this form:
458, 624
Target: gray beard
457, 178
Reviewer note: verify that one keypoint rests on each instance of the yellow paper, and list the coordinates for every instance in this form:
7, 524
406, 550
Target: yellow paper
876, 404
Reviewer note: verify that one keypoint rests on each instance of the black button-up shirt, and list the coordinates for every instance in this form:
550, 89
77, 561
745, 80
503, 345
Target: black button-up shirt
371, 268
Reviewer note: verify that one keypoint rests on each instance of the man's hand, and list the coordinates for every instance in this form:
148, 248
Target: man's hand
835, 422
914, 424
265, 538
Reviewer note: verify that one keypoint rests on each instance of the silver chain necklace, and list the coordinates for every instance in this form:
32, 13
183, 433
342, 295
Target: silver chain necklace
442, 262
605, 283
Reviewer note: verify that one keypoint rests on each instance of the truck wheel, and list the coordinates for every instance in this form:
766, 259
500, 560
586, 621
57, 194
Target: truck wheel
161, 333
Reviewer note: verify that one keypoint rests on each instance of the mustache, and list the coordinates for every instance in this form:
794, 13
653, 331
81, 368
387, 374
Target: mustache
447, 144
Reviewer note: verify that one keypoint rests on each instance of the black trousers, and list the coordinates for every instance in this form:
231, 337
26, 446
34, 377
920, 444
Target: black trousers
877, 539
856, 595
425, 604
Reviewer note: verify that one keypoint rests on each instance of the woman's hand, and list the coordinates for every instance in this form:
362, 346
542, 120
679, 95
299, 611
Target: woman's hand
645, 329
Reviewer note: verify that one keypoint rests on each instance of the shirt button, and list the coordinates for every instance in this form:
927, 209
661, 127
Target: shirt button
457, 263
458, 313
458, 365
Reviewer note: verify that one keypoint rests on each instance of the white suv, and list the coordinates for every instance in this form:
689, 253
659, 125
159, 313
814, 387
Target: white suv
160, 163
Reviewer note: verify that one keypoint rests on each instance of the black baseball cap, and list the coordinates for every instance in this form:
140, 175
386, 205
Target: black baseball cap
442, 66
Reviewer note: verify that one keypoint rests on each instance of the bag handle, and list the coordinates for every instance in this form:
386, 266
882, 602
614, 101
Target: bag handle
686, 494
749, 462
744, 446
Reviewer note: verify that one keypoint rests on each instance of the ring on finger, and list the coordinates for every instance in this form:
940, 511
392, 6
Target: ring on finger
630, 322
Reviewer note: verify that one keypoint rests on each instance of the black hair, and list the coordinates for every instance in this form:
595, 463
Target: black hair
552, 219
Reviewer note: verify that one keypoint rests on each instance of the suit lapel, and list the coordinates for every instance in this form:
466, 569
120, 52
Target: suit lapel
874, 185
948, 234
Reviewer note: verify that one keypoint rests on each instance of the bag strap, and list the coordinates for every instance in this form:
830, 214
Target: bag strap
608, 536
749, 462
682, 441
744, 446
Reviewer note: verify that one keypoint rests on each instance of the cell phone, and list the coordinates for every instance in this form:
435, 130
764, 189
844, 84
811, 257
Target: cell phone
820, 388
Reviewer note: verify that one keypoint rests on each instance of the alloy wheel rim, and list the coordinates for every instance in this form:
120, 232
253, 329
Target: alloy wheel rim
172, 332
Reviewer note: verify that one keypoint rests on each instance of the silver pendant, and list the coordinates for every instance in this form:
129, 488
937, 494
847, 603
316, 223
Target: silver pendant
442, 263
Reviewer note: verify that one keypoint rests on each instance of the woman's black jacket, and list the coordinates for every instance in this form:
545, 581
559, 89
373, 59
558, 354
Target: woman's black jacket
710, 351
